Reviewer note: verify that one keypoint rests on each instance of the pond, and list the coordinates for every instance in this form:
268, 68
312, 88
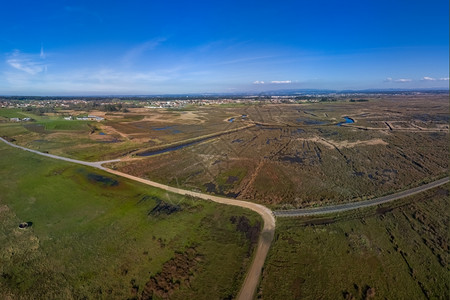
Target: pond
347, 121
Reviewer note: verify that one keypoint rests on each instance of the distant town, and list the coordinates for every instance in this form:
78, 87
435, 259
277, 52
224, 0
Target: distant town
111, 103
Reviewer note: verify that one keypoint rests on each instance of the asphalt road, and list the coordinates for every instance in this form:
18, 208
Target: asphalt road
355, 205
251, 281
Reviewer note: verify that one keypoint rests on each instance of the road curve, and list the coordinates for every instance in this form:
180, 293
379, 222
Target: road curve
251, 281
354, 205
254, 273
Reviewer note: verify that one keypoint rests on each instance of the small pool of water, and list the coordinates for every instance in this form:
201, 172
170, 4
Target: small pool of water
231, 120
162, 128
347, 121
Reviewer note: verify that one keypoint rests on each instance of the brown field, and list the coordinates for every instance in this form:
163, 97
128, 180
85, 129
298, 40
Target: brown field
296, 155
282, 155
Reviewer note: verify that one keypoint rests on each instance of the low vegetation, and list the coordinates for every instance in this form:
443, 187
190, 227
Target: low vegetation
397, 251
298, 156
93, 235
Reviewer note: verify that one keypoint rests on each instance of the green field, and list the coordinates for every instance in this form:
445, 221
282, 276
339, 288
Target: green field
58, 124
398, 251
94, 235
70, 138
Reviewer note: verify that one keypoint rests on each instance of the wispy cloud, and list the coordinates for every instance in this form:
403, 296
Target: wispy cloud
281, 81
133, 54
25, 62
242, 60
113, 77
400, 80
273, 82
427, 78
42, 54
85, 81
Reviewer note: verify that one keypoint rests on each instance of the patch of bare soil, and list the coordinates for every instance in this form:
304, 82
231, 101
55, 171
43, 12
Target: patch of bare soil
4, 208
176, 272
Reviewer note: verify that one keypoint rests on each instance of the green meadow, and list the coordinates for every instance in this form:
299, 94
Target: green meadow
95, 235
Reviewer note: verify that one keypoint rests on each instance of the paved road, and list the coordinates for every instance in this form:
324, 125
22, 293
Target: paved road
251, 281
355, 205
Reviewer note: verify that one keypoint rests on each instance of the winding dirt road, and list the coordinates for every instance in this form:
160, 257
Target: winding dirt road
254, 273
251, 281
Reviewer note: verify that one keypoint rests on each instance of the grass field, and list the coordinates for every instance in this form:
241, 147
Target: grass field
94, 235
65, 125
7, 113
397, 251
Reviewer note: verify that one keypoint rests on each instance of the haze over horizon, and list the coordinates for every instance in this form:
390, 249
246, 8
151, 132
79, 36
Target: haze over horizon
108, 47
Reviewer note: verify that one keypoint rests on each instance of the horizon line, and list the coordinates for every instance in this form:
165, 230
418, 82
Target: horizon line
287, 92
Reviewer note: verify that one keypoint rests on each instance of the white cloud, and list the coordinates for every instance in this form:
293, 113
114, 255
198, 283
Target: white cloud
112, 77
426, 78
258, 82
42, 54
281, 81
25, 62
401, 80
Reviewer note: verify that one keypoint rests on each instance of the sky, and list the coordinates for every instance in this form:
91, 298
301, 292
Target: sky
171, 47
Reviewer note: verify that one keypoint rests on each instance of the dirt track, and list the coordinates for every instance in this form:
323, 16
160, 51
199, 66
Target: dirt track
252, 279
254, 273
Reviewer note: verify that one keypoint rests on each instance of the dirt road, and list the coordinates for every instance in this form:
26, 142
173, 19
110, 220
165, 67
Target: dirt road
251, 281
97, 164
254, 273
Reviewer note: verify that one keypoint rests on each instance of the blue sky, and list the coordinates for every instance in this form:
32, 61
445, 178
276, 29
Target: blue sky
162, 47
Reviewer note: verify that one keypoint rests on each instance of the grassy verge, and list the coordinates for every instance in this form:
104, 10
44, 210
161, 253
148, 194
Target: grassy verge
396, 251
94, 235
